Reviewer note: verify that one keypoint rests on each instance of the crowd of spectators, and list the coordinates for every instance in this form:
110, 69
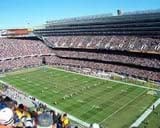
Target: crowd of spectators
139, 56
14, 64
21, 47
20, 53
111, 57
122, 43
16, 53
123, 70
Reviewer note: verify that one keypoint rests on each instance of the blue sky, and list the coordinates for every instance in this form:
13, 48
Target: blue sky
28, 13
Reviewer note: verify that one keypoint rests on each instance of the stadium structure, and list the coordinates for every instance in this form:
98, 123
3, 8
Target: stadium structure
100, 69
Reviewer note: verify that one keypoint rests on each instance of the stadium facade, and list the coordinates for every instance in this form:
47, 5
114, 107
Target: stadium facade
127, 44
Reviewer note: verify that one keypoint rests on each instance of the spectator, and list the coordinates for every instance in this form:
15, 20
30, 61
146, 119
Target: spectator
6, 117
65, 121
44, 120
54, 118
95, 125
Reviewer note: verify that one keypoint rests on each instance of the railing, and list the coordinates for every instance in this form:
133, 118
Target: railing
142, 12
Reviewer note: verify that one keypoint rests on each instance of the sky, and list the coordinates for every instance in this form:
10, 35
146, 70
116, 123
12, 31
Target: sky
34, 13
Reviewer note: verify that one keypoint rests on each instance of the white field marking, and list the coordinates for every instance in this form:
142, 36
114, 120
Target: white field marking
88, 94
121, 108
23, 70
110, 96
145, 114
115, 81
52, 107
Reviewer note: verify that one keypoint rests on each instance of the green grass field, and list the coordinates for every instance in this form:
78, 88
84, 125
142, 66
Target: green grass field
110, 104
152, 121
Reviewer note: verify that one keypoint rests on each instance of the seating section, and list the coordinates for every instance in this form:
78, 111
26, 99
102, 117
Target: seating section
83, 51
21, 47
145, 60
120, 69
19, 53
129, 55
122, 43
20, 63
126, 44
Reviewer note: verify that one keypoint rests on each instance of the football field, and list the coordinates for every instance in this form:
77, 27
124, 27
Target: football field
111, 104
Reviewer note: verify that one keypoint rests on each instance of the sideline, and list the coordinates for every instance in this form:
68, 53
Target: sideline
22, 70
145, 114
115, 81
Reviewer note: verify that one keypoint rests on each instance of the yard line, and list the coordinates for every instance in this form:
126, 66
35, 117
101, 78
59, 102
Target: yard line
122, 107
109, 97
115, 81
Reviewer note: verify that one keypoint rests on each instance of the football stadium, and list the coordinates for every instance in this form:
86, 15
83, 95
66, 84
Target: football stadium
97, 71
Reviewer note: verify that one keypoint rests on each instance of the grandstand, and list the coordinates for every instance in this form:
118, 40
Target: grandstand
125, 44
123, 49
